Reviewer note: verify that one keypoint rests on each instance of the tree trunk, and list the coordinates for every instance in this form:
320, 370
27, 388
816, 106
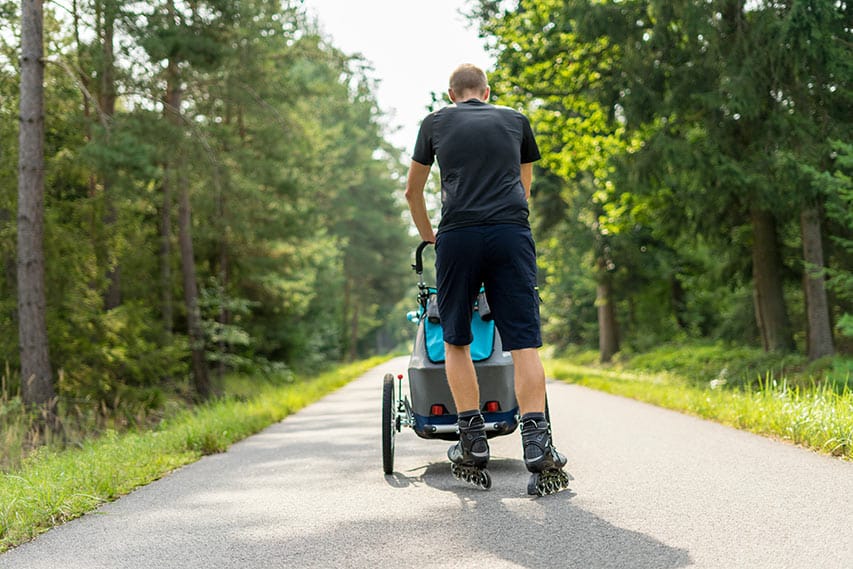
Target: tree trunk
112, 296
196, 334
10, 270
345, 348
166, 257
224, 313
770, 310
819, 336
171, 110
175, 173
222, 210
353, 338
83, 78
36, 375
608, 338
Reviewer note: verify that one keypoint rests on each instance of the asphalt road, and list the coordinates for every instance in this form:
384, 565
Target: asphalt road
651, 489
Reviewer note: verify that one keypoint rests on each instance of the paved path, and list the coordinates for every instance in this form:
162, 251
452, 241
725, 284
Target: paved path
651, 489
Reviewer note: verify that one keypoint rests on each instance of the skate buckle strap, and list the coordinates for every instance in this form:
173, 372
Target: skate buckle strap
534, 425
474, 425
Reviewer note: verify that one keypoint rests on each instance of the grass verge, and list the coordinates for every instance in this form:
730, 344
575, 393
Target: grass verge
815, 414
52, 487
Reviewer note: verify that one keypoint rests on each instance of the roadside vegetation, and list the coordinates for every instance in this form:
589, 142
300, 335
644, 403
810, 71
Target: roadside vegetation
779, 396
52, 486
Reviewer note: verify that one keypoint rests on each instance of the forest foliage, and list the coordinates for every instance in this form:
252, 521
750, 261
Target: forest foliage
696, 172
230, 130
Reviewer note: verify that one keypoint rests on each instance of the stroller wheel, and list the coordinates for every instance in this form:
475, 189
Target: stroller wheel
389, 423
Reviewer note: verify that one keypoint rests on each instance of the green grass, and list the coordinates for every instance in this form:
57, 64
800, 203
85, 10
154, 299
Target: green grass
806, 407
51, 487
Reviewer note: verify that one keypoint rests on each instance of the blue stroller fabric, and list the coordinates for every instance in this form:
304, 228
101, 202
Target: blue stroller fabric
481, 348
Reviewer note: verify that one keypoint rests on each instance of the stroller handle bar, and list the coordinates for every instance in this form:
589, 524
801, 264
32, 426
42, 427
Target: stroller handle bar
419, 259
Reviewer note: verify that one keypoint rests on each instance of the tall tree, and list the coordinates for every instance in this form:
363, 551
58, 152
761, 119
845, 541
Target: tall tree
543, 65
819, 341
812, 79
771, 312
176, 172
36, 374
747, 88
106, 12
183, 38
201, 377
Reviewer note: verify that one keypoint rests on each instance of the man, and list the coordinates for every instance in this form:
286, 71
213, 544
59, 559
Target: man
486, 156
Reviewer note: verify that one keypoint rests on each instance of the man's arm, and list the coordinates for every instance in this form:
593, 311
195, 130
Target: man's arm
527, 178
415, 183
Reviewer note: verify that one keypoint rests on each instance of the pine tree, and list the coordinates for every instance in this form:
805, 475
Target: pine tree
36, 374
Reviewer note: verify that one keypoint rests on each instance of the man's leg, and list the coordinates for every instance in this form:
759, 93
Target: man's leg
462, 377
457, 268
514, 300
458, 280
473, 447
539, 452
529, 381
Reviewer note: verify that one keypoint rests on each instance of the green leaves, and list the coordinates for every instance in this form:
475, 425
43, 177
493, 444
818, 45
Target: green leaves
671, 121
292, 190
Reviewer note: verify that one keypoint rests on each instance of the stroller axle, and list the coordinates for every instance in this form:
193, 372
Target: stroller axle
496, 426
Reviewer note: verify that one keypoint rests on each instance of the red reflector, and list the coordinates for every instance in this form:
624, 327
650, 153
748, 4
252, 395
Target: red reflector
492, 407
399, 376
436, 410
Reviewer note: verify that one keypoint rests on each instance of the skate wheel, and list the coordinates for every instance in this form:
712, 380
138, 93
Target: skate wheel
472, 475
533, 485
485, 480
548, 482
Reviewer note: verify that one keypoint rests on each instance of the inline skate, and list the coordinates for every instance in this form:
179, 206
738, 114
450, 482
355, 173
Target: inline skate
541, 458
469, 456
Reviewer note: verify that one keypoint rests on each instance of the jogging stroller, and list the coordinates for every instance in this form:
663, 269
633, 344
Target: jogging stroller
430, 411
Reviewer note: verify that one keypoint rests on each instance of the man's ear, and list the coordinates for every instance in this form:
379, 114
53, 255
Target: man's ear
487, 93
452, 95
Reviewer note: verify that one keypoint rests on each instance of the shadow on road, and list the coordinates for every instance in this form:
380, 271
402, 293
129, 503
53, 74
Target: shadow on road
558, 533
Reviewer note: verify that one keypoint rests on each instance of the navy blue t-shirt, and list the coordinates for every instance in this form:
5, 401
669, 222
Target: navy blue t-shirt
480, 149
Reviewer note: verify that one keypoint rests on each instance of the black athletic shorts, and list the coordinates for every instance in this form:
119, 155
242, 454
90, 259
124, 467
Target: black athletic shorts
501, 257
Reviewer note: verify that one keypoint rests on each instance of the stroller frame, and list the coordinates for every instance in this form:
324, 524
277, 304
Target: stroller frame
431, 412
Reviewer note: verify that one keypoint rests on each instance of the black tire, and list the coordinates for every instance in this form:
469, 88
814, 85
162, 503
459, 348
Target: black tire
485, 480
389, 423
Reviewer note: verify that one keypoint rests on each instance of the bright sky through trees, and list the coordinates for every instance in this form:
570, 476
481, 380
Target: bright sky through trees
413, 47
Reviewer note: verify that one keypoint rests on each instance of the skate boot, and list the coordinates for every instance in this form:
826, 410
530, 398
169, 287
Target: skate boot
469, 457
541, 458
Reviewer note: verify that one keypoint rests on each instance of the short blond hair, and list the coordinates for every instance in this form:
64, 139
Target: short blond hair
468, 77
